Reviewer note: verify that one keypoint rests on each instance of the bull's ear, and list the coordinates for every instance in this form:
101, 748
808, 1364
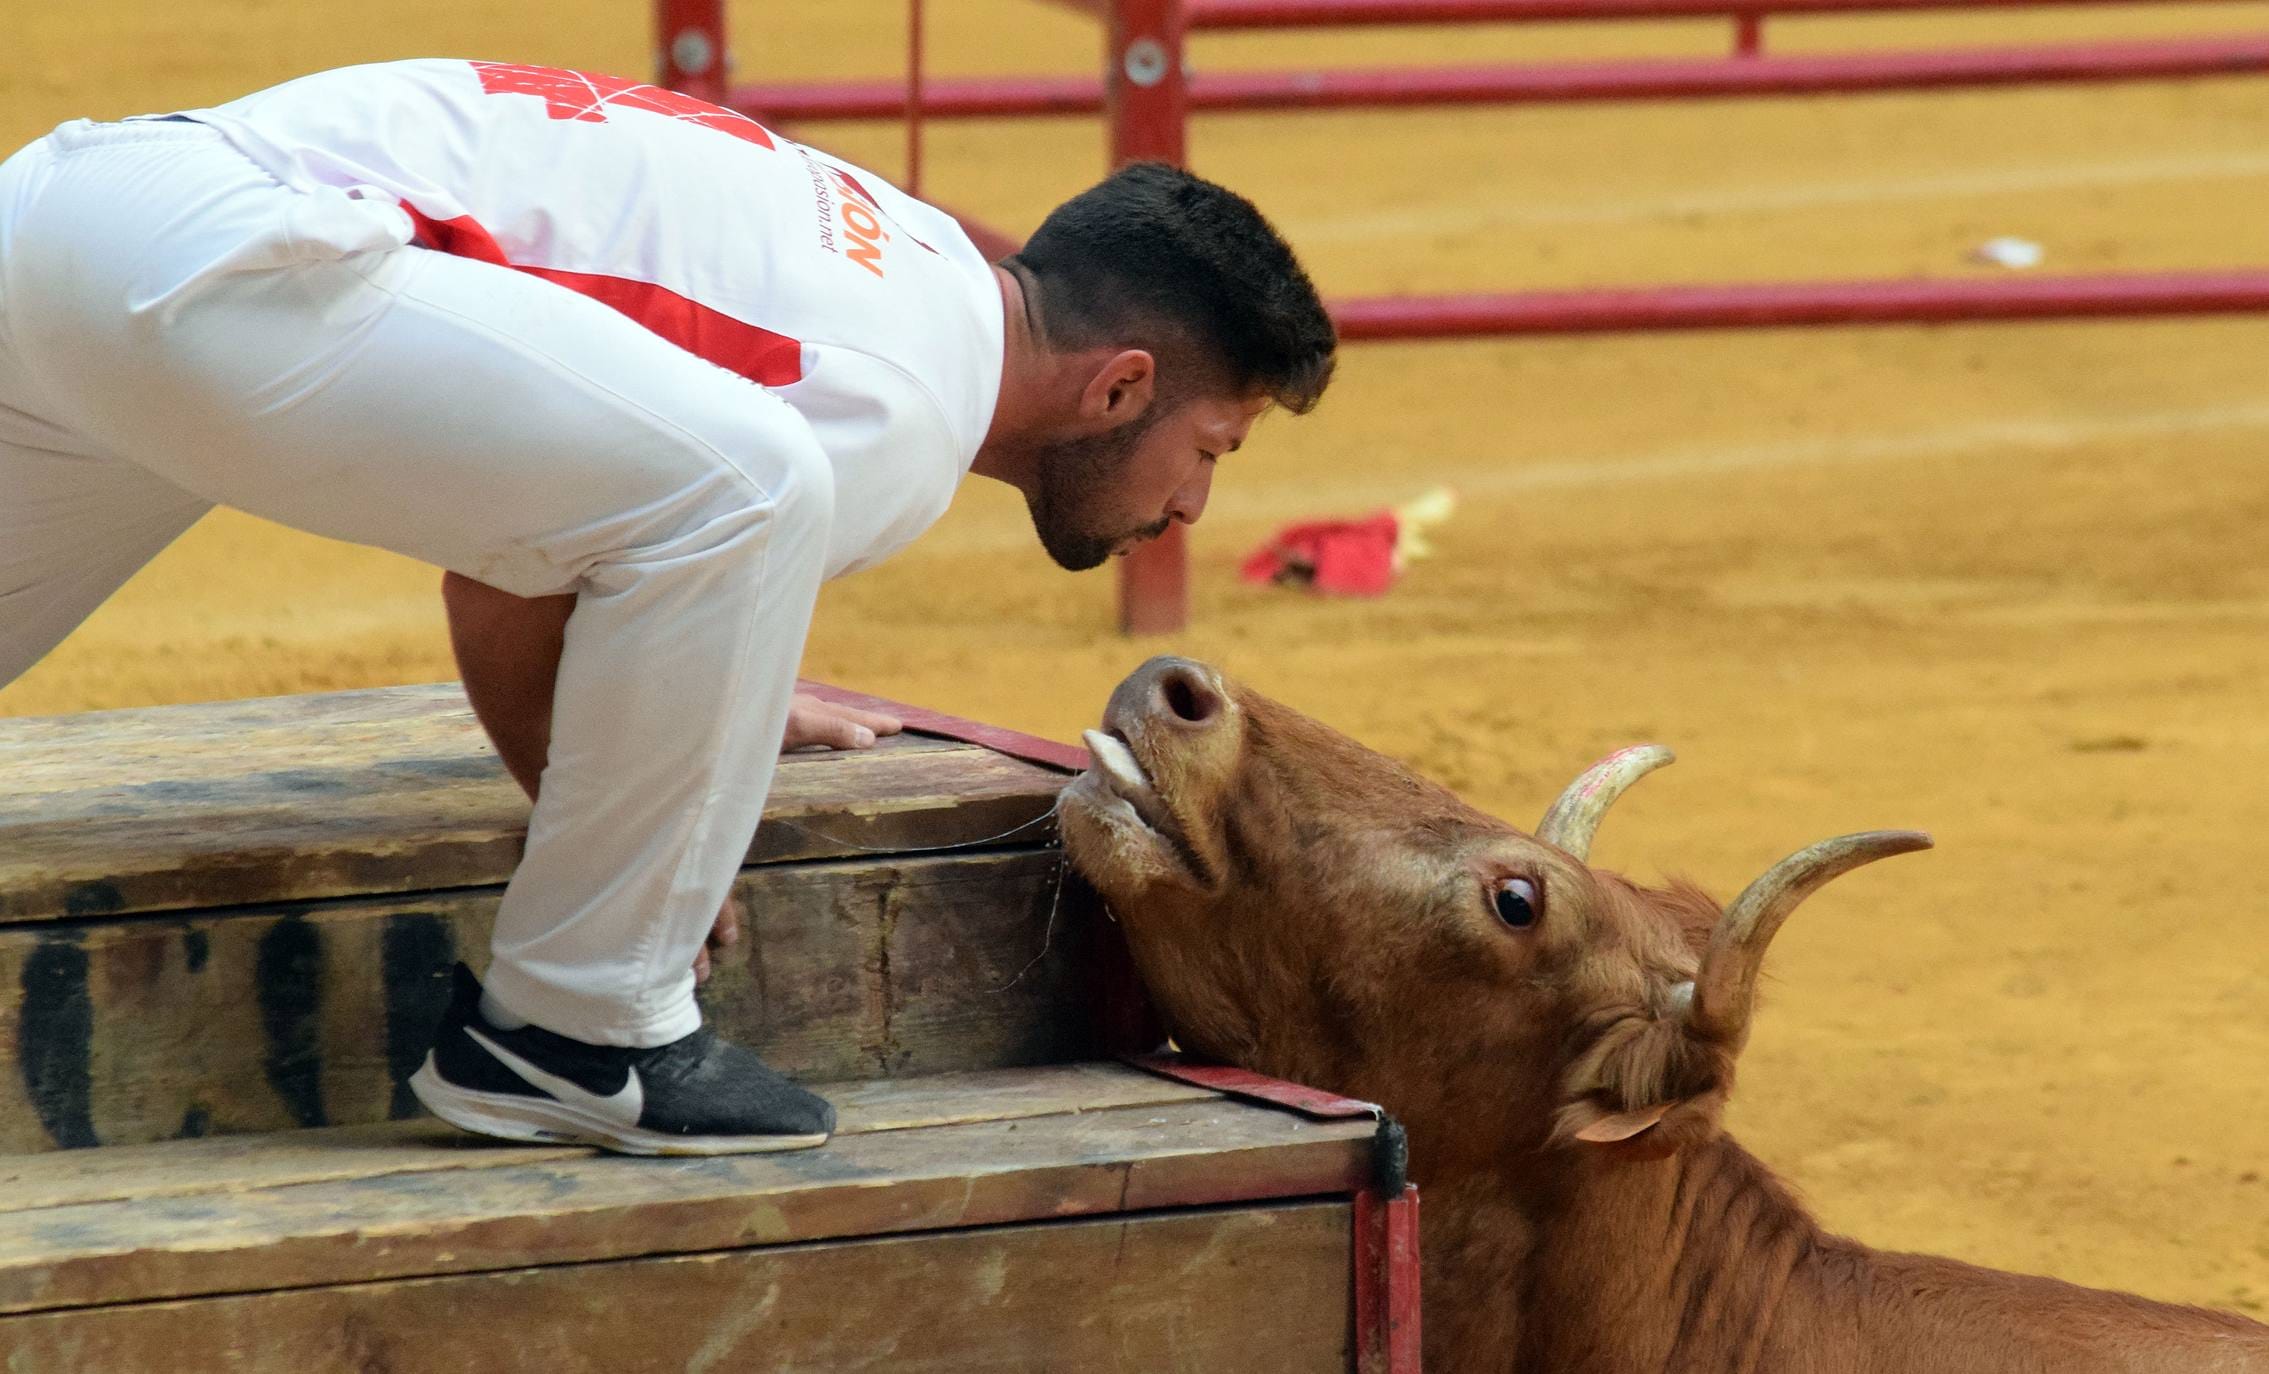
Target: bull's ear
1606, 1128
1652, 1132
1646, 1080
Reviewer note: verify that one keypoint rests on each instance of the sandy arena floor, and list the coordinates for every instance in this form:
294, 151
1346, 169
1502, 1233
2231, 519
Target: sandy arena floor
2005, 583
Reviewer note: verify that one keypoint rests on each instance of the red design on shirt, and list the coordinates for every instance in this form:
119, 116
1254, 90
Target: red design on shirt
758, 354
586, 96
851, 183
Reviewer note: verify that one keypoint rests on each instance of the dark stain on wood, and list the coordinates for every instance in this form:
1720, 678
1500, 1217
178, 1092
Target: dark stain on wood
887, 1051
196, 948
290, 983
196, 1123
93, 899
173, 790
417, 949
472, 768
304, 782
802, 988
55, 1040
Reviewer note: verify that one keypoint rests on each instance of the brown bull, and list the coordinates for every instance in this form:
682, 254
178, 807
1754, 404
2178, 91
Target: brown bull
1559, 1042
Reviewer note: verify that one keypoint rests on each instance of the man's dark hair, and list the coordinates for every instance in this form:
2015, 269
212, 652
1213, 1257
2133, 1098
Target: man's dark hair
1154, 255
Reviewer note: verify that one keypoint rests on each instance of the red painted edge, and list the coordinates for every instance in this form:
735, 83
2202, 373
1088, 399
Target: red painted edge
1370, 1282
1069, 758
1402, 1283
1236, 1082
1387, 1309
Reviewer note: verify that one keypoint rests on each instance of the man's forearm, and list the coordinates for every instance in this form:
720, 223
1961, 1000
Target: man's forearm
507, 651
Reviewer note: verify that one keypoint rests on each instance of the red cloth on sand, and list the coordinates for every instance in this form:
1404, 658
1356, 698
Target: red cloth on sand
1335, 557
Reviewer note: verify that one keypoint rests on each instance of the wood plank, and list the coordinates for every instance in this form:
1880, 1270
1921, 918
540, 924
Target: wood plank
154, 1028
1264, 1288
392, 1226
262, 734
236, 1164
393, 790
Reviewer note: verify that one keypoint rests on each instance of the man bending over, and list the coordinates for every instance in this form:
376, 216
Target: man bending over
640, 374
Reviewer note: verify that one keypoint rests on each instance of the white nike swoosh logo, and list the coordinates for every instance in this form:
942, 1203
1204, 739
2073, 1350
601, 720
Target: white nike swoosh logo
622, 1107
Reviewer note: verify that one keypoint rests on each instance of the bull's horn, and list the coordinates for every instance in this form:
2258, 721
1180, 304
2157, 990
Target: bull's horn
1574, 818
1726, 989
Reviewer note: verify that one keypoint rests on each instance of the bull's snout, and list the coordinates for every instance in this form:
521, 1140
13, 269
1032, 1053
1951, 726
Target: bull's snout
1167, 693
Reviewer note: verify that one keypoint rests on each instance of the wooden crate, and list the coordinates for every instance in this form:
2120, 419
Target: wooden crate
241, 916
224, 938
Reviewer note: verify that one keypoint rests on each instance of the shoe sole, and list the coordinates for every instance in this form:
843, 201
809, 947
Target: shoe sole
548, 1121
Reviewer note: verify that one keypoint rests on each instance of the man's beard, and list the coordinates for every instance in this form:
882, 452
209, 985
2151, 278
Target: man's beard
1070, 501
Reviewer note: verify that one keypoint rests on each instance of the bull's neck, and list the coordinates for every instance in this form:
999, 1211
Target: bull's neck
1684, 1263
1706, 1262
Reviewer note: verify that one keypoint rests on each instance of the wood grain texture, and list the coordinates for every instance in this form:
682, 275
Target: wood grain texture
241, 1163
120, 1032
1257, 1289
392, 1225
392, 790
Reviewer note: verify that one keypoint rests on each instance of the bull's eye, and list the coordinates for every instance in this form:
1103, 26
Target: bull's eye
1518, 903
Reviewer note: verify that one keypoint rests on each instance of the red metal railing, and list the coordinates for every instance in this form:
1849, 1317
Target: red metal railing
1293, 14
1148, 94
1788, 305
1540, 83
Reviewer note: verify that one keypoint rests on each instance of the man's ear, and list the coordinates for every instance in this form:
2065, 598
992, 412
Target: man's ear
1120, 389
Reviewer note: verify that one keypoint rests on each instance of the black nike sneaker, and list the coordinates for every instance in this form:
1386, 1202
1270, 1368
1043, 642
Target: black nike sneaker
698, 1095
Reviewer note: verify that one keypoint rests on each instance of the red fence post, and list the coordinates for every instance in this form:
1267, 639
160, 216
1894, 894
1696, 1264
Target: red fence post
1148, 104
690, 38
1748, 34
914, 97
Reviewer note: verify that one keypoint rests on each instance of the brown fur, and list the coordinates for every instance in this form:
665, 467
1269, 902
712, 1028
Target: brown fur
1323, 915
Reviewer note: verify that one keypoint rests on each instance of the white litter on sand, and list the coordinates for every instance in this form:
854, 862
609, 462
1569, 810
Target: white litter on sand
2007, 250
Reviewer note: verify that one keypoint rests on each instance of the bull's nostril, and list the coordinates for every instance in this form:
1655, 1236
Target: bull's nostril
1189, 699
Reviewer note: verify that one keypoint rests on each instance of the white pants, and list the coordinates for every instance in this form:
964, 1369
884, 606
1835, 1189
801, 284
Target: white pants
179, 330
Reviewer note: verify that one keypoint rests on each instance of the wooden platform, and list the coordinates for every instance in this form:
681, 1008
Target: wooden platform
240, 917
1054, 1218
225, 933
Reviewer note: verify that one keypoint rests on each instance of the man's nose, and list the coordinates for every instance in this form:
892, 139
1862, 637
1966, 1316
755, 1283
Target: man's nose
1188, 503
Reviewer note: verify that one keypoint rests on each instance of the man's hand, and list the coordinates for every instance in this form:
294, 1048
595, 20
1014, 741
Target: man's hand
812, 722
725, 933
